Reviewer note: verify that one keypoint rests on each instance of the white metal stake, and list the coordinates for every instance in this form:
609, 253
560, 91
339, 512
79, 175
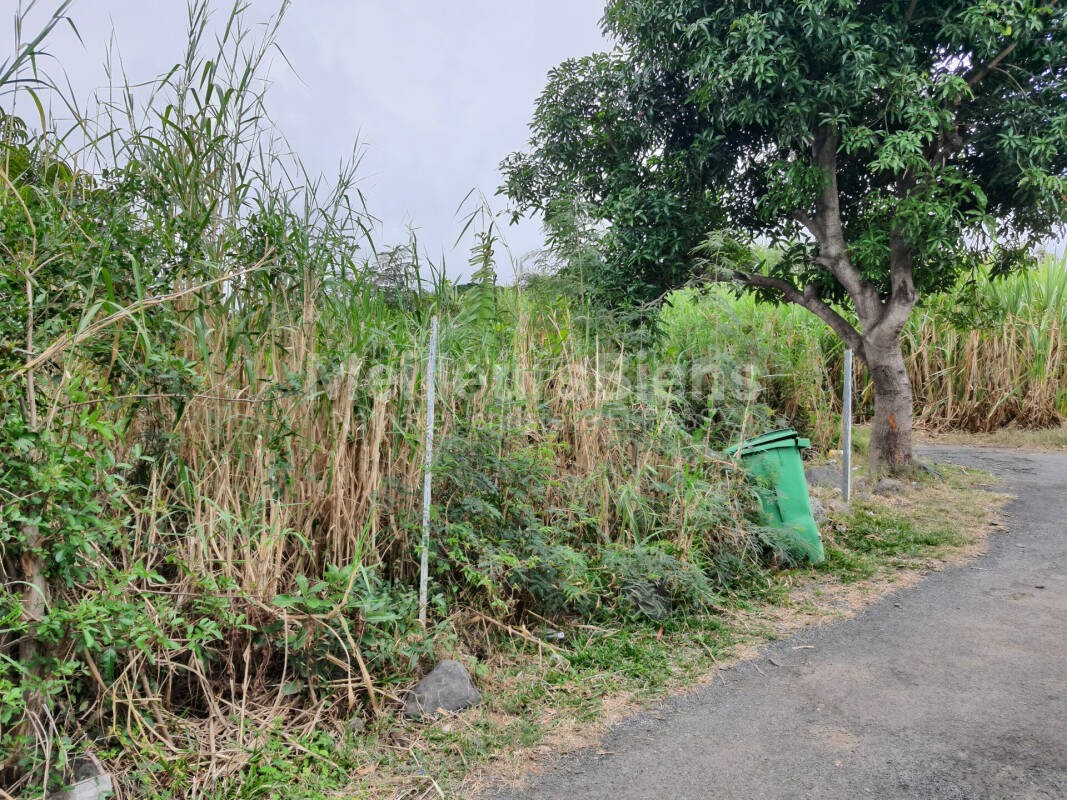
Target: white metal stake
431, 381
846, 432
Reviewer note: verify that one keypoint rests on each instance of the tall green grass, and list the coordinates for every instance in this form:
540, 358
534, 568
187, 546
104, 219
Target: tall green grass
988, 355
211, 461
786, 356
993, 354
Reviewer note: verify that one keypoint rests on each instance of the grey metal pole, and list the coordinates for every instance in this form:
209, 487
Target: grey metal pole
431, 381
846, 432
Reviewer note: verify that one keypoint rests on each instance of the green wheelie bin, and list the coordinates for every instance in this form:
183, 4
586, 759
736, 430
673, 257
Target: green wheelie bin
774, 461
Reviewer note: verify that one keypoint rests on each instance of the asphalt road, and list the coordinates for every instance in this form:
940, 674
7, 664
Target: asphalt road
955, 688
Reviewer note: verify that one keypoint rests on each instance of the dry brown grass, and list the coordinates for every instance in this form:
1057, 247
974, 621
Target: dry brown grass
983, 380
287, 460
1010, 438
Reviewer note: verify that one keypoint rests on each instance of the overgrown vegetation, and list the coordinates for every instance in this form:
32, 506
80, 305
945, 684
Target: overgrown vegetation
987, 355
212, 417
561, 693
993, 354
884, 149
211, 421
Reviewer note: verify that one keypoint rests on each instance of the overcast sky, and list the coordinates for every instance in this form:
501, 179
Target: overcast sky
436, 91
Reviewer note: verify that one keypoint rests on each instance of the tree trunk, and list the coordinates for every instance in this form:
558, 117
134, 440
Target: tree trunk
890, 448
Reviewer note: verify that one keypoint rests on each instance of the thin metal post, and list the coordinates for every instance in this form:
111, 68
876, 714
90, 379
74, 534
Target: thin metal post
431, 381
846, 432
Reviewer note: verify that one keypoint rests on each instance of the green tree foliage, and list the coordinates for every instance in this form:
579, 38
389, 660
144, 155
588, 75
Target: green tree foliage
883, 148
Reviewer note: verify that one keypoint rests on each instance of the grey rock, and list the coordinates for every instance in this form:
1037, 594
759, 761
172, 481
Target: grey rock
90, 781
888, 486
97, 788
818, 510
448, 687
828, 475
930, 469
86, 766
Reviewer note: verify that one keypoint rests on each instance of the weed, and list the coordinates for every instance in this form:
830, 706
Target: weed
212, 415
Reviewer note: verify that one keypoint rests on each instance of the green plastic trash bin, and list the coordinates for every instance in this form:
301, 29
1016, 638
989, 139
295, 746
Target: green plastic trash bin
774, 461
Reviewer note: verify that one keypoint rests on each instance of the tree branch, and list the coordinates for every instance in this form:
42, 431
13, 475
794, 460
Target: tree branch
809, 299
980, 74
977, 77
911, 12
948, 144
804, 219
829, 232
903, 295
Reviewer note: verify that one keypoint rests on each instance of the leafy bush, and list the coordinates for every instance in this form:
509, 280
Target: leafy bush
211, 447
491, 535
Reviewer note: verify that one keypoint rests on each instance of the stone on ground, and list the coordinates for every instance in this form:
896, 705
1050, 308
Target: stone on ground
448, 687
888, 486
827, 476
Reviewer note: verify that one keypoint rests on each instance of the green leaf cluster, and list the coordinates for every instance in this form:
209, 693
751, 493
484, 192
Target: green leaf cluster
951, 119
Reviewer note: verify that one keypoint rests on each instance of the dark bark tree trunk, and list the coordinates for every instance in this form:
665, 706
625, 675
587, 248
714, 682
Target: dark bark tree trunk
890, 448
881, 315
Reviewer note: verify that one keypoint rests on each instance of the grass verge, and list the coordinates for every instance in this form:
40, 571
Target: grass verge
550, 691
1010, 438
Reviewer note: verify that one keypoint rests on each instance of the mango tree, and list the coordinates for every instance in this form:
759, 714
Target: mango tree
882, 148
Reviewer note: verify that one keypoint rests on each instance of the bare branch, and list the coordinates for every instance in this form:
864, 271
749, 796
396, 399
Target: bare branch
976, 78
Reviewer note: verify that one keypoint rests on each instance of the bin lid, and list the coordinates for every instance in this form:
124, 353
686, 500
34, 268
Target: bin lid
786, 437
